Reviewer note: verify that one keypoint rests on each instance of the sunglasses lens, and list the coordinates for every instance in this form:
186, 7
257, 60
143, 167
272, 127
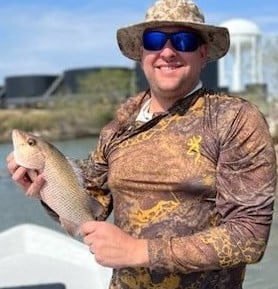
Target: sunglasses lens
154, 40
185, 41
181, 41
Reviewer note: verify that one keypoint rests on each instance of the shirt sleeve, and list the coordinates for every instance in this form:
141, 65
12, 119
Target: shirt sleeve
96, 170
245, 189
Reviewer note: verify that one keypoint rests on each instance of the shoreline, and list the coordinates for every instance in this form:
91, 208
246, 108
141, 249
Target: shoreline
50, 136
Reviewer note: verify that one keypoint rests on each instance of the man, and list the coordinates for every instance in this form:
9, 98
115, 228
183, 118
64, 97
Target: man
190, 174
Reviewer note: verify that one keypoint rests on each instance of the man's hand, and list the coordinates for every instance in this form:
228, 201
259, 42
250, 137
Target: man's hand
112, 247
20, 175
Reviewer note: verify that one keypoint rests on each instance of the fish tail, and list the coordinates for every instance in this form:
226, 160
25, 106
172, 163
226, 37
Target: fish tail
70, 227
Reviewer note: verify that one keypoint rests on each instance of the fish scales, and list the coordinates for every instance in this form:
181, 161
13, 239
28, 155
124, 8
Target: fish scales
60, 176
62, 190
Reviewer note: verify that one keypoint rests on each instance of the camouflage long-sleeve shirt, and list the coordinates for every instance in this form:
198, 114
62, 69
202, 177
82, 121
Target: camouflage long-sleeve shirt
198, 182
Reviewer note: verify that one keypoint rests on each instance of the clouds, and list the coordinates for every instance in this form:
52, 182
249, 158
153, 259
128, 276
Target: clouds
54, 36
263, 13
40, 40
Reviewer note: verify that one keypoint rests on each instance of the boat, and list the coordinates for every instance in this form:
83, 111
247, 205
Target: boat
32, 256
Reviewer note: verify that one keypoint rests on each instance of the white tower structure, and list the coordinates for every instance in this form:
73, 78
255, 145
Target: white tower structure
243, 63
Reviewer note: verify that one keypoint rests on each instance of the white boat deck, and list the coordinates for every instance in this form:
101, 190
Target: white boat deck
34, 255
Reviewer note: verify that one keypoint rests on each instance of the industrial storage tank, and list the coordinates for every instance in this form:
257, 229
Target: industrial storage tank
209, 75
243, 63
28, 85
71, 80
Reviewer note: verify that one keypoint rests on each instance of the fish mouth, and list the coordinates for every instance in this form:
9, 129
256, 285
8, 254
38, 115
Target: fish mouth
18, 140
16, 132
17, 137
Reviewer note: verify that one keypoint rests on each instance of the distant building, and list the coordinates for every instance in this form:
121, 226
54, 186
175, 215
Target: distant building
25, 90
33, 90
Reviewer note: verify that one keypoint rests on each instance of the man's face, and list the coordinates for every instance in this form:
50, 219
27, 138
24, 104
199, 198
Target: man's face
172, 73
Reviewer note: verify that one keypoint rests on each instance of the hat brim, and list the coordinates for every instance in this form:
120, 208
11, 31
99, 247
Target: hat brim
130, 38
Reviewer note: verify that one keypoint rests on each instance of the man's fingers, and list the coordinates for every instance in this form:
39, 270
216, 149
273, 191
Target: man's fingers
18, 175
11, 164
88, 228
10, 157
35, 187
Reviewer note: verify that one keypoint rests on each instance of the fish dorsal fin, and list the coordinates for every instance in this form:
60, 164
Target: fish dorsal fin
95, 207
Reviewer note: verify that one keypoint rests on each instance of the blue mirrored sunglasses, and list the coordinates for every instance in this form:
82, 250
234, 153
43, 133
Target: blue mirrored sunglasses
183, 41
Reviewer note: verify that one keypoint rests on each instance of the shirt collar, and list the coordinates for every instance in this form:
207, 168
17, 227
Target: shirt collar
144, 115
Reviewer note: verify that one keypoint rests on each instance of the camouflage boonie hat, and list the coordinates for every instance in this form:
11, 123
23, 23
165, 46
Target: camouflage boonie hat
166, 13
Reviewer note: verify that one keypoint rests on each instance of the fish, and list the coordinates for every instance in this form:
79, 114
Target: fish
63, 188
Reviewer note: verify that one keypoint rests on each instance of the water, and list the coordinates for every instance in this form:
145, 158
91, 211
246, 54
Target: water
16, 209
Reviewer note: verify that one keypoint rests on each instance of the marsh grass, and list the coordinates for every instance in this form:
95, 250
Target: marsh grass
62, 118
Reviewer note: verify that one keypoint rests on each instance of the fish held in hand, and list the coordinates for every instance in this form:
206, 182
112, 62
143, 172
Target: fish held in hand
62, 190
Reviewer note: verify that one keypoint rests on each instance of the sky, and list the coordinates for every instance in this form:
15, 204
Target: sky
52, 36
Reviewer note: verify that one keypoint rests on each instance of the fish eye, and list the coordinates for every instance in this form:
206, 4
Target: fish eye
31, 142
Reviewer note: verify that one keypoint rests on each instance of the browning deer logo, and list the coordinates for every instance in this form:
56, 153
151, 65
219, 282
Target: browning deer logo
194, 145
